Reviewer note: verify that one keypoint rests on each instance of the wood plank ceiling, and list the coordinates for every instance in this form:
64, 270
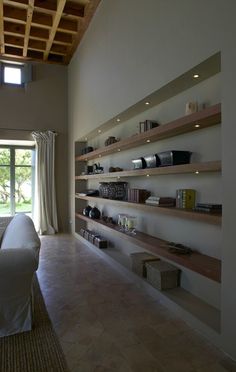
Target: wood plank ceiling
43, 30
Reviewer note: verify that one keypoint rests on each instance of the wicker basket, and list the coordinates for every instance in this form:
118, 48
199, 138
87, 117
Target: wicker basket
113, 190
162, 275
139, 260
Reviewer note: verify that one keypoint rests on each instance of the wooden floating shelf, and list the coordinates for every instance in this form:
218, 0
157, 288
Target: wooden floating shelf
214, 219
211, 166
205, 118
202, 264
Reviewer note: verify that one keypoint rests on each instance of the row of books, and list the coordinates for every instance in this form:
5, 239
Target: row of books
208, 208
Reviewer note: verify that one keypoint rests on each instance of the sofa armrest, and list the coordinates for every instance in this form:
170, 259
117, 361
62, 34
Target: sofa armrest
17, 262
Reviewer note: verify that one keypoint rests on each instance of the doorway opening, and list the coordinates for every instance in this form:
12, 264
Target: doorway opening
17, 178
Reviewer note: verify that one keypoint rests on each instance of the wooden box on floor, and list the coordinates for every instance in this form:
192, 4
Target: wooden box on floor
139, 260
162, 275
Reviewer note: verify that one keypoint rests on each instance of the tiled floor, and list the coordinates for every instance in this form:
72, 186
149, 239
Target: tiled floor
106, 323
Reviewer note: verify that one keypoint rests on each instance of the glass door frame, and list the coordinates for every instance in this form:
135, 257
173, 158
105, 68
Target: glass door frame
13, 166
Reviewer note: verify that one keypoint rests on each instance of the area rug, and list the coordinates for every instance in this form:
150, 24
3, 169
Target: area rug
36, 351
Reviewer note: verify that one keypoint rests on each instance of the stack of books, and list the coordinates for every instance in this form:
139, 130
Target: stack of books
185, 198
137, 195
208, 208
161, 201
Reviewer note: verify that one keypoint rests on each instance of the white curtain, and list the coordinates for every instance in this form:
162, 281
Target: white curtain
45, 210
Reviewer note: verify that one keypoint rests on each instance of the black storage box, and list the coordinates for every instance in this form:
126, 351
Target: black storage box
100, 242
168, 158
152, 161
139, 163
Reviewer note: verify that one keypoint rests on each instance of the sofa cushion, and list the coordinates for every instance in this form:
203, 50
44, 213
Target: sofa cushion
20, 233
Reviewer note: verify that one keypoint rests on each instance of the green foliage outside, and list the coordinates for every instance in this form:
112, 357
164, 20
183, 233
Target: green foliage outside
22, 180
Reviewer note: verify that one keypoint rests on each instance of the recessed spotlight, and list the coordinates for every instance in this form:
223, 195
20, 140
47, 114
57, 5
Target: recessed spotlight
148, 175
148, 140
196, 76
147, 103
118, 120
197, 125
99, 131
197, 172
118, 150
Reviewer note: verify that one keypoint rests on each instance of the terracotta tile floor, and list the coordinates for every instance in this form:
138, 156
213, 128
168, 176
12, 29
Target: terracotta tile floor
106, 323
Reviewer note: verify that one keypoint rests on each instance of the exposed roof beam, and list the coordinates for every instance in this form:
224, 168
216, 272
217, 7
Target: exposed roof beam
56, 20
89, 12
14, 14
2, 47
28, 26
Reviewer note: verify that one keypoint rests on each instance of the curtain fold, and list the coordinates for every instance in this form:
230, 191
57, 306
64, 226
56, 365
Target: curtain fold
45, 209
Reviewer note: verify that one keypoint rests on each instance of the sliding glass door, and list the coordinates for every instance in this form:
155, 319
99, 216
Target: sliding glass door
16, 179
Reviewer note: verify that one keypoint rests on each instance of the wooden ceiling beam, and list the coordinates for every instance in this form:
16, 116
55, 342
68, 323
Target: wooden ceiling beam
56, 20
14, 41
60, 49
28, 26
42, 20
13, 51
66, 25
63, 38
74, 9
14, 14
13, 29
49, 29
39, 33
89, 12
37, 45
17, 3
2, 46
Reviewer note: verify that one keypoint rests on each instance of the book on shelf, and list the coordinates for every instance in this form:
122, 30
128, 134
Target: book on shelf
161, 201
212, 206
185, 198
207, 210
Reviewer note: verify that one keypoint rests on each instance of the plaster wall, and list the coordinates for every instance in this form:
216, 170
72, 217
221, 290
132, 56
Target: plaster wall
129, 51
41, 105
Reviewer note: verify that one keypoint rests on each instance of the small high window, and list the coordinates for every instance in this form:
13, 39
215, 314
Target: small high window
12, 74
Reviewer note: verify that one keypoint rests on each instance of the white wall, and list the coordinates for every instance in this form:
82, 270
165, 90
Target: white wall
132, 49
42, 105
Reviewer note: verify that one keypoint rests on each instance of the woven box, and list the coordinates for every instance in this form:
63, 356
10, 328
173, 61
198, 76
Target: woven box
162, 275
138, 262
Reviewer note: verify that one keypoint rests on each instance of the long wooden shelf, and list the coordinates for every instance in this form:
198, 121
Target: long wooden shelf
210, 166
214, 219
205, 118
202, 264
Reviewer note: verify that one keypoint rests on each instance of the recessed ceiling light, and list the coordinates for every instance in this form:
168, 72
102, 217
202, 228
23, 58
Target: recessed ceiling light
148, 140
118, 120
148, 175
99, 131
147, 103
196, 76
197, 125
197, 172
118, 150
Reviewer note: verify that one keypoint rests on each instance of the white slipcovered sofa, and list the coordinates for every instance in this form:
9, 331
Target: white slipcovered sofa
19, 258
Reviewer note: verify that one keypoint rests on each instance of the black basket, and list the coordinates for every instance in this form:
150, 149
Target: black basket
113, 190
